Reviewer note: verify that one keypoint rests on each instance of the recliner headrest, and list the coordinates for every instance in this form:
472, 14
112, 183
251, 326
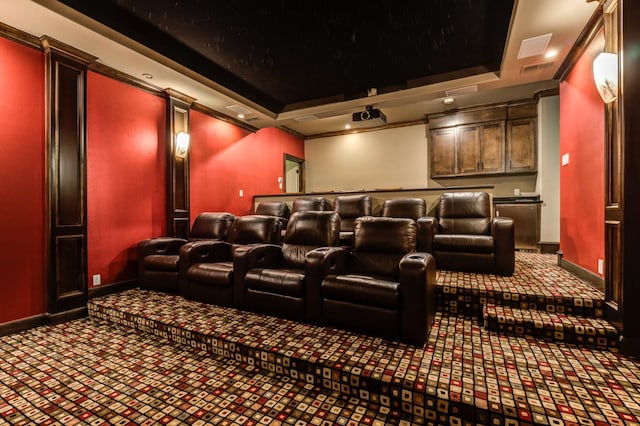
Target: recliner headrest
385, 235
464, 205
352, 205
255, 229
310, 204
212, 225
273, 208
313, 228
412, 208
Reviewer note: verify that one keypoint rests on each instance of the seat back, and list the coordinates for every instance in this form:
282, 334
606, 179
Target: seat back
464, 213
412, 208
305, 204
255, 229
380, 243
351, 207
273, 208
211, 226
307, 231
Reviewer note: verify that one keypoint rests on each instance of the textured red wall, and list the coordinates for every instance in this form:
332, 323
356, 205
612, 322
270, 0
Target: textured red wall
225, 159
22, 170
582, 180
125, 175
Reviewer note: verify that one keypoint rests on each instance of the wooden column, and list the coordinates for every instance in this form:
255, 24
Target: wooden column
177, 182
66, 72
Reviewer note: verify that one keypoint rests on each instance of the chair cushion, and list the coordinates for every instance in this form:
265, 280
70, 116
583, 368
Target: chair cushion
288, 282
464, 213
216, 274
412, 208
161, 262
362, 290
273, 208
463, 243
214, 226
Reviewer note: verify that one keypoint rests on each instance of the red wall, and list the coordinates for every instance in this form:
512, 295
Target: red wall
125, 175
582, 180
22, 176
225, 159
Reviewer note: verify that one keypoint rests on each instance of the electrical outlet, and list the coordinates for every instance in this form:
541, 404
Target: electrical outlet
565, 159
601, 266
97, 279
241, 193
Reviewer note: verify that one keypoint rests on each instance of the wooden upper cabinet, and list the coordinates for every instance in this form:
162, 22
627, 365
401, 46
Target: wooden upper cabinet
443, 152
484, 141
521, 146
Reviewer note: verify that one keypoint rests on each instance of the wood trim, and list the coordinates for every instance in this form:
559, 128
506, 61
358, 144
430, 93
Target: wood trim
23, 324
19, 36
66, 316
141, 84
589, 32
52, 45
107, 289
582, 273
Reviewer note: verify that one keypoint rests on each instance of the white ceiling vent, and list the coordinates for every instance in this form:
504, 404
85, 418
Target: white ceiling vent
462, 90
536, 67
239, 109
304, 118
534, 46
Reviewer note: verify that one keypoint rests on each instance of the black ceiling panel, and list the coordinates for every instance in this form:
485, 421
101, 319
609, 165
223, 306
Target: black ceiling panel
284, 53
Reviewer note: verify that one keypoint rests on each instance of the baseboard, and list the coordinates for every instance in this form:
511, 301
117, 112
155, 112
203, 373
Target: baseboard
107, 289
66, 316
23, 324
548, 247
596, 280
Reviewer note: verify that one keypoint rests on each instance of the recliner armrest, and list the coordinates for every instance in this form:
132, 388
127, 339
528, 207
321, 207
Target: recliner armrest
249, 257
417, 295
427, 228
204, 252
162, 245
503, 232
319, 263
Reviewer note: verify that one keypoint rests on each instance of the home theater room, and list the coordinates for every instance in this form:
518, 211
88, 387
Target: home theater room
319, 213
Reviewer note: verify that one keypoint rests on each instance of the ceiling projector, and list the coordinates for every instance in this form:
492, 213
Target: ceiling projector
370, 117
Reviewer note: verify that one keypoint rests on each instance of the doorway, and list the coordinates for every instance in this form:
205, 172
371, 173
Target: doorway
293, 174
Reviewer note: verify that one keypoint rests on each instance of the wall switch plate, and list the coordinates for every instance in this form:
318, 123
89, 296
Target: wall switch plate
601, 266
565, 159
97, 279
516, 191
241, 193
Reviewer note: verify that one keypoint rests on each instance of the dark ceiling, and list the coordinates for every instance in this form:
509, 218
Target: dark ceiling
286, 54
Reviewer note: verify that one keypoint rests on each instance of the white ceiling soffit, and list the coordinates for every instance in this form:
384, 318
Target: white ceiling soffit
462, 90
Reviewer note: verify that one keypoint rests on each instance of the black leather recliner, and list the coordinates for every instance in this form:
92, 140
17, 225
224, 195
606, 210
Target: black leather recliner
271, 279
350, 207
305, 204
413, 208
206, 267
381, 287
158, 258
464, 237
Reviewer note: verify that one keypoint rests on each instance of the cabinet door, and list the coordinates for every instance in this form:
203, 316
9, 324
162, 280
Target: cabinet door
521, 146
468, 149
443, 152
492, 147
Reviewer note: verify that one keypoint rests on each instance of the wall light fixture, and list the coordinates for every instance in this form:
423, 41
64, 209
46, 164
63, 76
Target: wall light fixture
182, 144
605, 75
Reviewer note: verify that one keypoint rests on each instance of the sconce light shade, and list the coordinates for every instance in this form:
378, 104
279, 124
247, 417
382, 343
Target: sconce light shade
182, 144
605, 75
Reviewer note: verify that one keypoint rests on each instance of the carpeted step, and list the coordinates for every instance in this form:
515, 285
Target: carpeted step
595, 333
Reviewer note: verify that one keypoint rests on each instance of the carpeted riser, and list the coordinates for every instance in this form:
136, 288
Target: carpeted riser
589, 333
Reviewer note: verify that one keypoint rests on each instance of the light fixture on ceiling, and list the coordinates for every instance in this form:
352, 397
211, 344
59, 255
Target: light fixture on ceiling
347, 126
147, 75
240, 111
448, 101
551, 53
605, 75
182, 144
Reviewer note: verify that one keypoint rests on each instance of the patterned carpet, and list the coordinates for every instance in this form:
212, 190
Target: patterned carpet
465, 374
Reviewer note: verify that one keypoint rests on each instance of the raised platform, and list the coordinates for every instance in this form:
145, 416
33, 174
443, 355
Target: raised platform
465, 374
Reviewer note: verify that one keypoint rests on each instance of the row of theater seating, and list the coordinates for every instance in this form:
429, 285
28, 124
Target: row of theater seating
379, 280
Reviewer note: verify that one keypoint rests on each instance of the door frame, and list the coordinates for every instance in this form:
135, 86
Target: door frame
288, 157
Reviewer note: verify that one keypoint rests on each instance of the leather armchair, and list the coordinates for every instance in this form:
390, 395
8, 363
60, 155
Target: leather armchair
158, 258
413, 208
206, 267
464, 236
381, 287
271, 279
350, 207
305, 204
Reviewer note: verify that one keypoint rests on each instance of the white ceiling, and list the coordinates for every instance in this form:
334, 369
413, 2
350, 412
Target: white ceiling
564, 19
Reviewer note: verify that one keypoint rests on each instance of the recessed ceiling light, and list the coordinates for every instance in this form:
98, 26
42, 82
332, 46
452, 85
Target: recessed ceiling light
551, 53
147, 75
448, 101
347, 126
240, 116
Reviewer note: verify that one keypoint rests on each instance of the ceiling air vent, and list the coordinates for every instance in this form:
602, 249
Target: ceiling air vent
536, 67
534, 46
239, 109
304, 118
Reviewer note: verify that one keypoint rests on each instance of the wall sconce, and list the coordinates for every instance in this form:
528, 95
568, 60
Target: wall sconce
605, 75
182, 144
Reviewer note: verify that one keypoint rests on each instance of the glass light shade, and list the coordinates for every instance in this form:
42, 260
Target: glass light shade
182, 144
605, 75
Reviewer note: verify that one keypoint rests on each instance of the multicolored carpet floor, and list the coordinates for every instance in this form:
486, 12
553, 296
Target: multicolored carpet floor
231, 367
